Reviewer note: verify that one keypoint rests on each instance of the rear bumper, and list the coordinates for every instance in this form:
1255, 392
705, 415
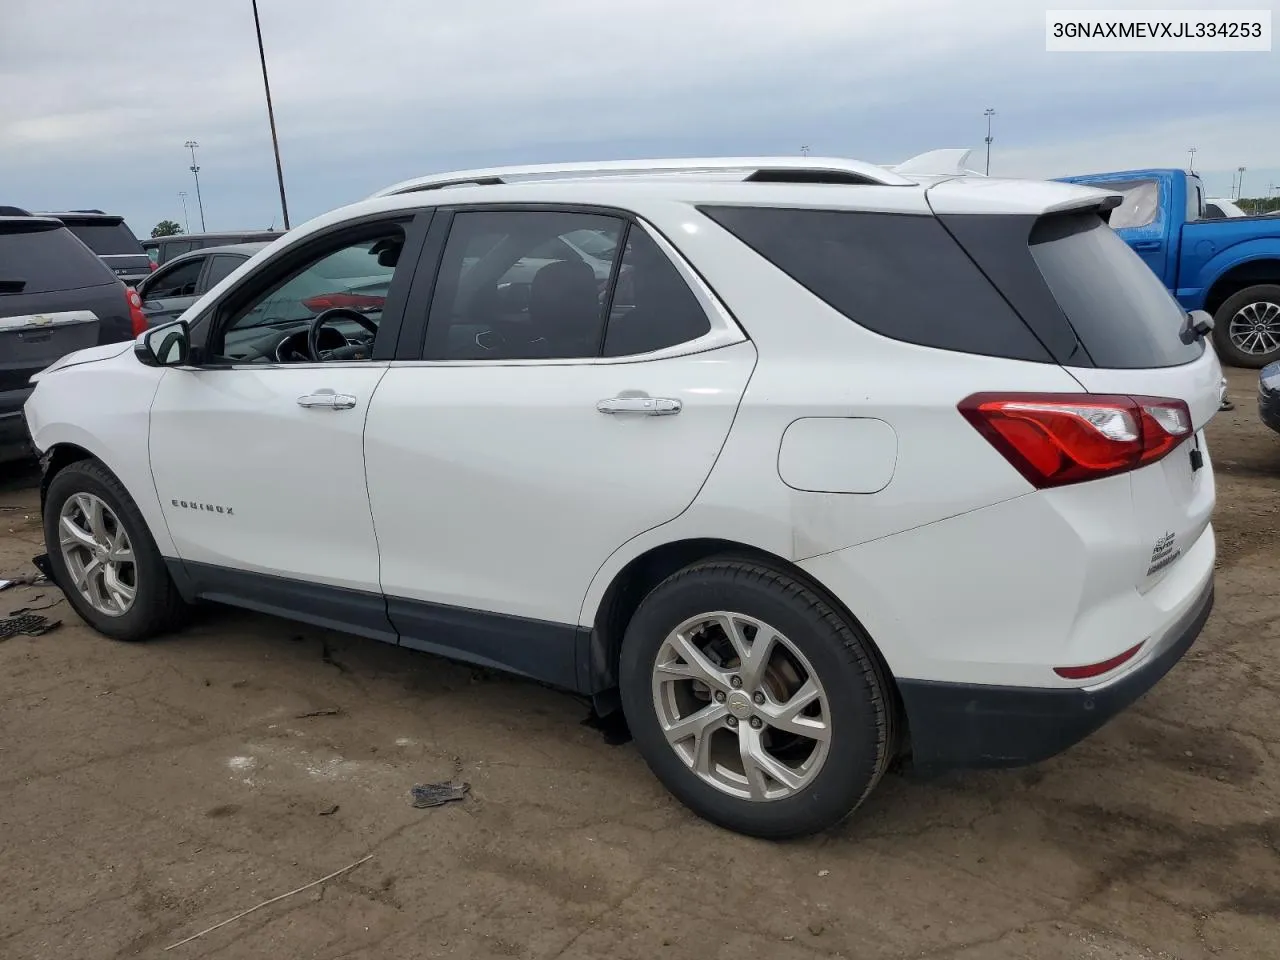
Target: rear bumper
976, 725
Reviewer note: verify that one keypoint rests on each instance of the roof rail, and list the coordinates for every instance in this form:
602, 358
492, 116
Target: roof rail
949, 162
769, 169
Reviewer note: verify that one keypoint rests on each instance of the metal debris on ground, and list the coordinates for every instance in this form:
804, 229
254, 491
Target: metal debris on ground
434, 794
30, 624
325, 712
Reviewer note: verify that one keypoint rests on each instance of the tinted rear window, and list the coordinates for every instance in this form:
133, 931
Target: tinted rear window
902, 276
47, 260
106, 239
1122, 313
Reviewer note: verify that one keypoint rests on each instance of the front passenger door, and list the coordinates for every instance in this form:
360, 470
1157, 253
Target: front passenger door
258, 451
171, 289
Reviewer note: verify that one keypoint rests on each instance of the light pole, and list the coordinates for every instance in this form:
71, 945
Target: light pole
271, 115
185, 219
1240, 188
195, 172
989, 113
1191, 164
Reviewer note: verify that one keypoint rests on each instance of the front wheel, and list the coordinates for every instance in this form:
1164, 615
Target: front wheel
1246, 328
103, 556
753, 701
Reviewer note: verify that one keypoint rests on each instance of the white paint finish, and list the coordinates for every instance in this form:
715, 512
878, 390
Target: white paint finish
1169, 498
838, 455
294, 476
1004, 594
502, 488
983, 195
98, 399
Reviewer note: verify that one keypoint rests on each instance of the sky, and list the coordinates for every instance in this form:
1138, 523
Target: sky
98, 98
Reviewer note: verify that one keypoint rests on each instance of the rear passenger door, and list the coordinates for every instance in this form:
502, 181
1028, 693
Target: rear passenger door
547, 411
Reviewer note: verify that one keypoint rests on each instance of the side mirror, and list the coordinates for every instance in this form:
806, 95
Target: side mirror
168, 345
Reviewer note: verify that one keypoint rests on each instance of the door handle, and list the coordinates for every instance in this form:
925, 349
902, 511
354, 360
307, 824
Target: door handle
645, 406
1148, 245
328, 401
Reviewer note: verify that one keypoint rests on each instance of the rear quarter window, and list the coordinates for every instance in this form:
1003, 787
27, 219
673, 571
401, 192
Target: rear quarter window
42, 261
902, 276
1120, 310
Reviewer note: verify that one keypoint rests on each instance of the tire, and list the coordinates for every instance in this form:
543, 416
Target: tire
1229, 352
857, 708
156, 607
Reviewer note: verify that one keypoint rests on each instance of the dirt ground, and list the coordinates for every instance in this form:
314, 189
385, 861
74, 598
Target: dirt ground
148, 792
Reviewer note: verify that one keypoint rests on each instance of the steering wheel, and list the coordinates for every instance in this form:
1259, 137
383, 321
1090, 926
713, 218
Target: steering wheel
327, 316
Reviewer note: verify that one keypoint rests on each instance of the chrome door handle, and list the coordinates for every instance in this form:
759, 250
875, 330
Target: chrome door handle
646, 406
330, 401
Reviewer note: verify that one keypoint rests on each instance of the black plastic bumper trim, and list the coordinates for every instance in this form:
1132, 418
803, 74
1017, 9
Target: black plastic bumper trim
957, 725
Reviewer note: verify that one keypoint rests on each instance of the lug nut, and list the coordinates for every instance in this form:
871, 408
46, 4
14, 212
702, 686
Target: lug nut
731, 721
720, 697
758, 698
756, 723
735, 682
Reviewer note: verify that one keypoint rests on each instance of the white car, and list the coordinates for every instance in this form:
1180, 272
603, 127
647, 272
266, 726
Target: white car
1218, 208
863, 466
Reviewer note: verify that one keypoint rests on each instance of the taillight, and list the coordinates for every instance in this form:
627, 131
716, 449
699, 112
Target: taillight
137, 319
1054, 439
351, 301
1090, 670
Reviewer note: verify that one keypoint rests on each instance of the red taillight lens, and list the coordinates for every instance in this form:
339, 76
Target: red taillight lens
137, 319
1096, 669
351, 301
1054, 439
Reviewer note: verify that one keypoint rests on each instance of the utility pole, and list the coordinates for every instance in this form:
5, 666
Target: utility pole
1191, 164
271, 115
195, 172
1240, 188
804, 150
186, 220
989, 113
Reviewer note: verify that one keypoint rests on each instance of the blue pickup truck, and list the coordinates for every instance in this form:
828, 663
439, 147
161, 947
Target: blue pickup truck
1228, 267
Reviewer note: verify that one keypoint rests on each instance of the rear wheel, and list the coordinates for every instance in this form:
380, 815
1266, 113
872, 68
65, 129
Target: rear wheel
103, 556
1246, 328
753, 701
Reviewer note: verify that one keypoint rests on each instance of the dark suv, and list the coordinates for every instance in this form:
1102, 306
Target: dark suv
110, 238
56, 296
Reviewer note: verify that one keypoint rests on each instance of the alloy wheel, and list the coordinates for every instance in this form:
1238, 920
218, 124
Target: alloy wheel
1255, 328
98, 555
741, 706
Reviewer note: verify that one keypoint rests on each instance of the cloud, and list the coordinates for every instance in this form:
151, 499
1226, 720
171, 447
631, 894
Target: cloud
100, 97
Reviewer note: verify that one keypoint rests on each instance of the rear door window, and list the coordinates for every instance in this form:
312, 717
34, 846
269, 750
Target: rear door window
902, 276
44, 260
107, 238
1122, 313
653, 307
220, 269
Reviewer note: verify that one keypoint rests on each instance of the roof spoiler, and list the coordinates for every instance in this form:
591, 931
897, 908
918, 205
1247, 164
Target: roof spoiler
949, 162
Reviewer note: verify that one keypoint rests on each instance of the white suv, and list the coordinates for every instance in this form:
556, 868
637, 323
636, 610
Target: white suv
825, 466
